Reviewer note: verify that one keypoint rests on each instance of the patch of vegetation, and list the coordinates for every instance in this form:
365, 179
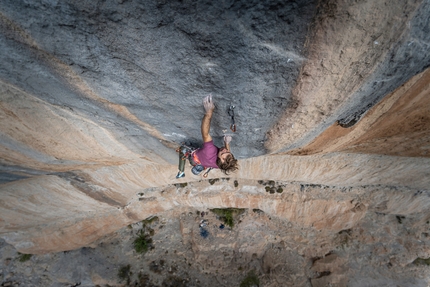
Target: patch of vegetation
250, 280
270, 186
236, 183
142, 243
213, 180
24, 257
422, 261
227, 214
267, 183
124, 273
181, 185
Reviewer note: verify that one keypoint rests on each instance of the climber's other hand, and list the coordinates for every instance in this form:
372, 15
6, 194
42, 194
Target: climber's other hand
208, 104
227, 139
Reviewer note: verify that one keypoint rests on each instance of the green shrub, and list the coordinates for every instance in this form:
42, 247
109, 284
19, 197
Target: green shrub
228, 219
142, 243
250, 280
422, 261
213, 180
181, 185
24, 257
227, 214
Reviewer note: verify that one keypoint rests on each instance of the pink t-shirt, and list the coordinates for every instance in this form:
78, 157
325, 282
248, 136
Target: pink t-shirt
208, 154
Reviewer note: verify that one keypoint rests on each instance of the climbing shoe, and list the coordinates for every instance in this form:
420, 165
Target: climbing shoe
180, 174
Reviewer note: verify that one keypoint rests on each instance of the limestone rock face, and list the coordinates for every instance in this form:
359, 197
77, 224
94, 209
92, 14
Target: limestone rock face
140, 68
331, 103
359, 53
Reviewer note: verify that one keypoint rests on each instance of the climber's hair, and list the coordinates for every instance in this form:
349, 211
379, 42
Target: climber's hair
230, 164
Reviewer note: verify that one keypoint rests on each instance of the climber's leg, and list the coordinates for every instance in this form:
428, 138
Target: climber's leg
181, 166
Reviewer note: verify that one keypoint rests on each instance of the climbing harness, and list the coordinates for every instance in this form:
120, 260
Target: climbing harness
189, 153
186, 150
231, 114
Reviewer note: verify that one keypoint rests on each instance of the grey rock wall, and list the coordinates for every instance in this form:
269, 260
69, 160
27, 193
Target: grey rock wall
158, 59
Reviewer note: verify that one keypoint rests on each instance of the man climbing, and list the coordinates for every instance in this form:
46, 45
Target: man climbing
208, 156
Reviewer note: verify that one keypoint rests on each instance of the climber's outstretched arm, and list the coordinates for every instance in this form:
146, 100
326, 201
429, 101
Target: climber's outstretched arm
227, 140
206, 122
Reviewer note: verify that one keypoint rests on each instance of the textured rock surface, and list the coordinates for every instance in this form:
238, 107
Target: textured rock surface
399, 125
379, 250
118, 189
96, 95
358, 53
137, 66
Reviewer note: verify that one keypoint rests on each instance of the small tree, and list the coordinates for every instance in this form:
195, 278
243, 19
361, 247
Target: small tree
142, 243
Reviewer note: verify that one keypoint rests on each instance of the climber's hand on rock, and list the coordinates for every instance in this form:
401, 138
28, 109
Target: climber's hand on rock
227, 139
208, 104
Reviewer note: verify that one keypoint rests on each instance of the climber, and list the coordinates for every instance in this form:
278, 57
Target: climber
208, 156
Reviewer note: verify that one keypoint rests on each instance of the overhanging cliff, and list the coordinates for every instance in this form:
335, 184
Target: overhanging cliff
96, 95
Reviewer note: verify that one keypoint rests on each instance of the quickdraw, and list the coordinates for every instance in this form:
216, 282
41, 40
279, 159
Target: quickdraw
207, 172
231, 114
